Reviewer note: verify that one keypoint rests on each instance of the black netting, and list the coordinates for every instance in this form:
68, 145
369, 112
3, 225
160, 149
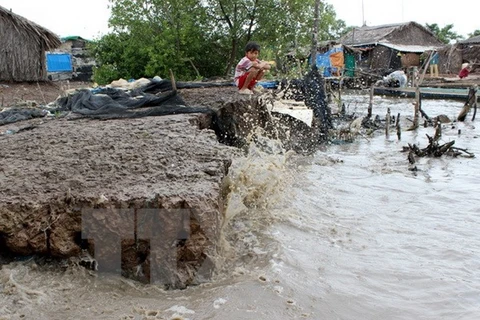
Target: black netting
20, 114
157, 98
110, 103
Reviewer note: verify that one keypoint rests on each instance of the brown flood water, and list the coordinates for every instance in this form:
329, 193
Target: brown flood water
349, 233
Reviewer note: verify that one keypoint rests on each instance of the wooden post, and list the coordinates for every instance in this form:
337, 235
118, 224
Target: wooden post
438, 130
418, 101
399, 130
475, 103
370, 105
471, 102
340, 104
387, 123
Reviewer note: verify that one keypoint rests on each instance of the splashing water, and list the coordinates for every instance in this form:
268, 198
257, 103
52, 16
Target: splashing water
349, 233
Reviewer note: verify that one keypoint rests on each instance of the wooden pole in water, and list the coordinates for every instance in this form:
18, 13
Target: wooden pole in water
370, 105
399, 129
475, 103
341, 107
438, 130
471, 102
418, 101
387, 124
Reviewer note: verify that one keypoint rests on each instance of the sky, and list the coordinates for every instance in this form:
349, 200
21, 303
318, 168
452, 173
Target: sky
463, 14
89, 18
85, 18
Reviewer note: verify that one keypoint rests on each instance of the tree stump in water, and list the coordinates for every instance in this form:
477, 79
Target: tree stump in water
434, 148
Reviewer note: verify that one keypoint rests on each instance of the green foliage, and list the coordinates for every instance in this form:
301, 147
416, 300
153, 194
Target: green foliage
105, 74
445, 34
203, 38
292, 25
474, 33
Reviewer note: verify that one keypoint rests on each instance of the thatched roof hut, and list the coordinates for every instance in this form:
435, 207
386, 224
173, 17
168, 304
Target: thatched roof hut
450, 59
471, 50
472, 40
391, 47
24, 43
452, 56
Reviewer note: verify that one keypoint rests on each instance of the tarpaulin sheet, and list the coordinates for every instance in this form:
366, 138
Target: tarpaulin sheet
59, 62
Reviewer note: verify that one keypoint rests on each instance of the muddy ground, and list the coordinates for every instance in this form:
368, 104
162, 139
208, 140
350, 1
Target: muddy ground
42, 92
52, 168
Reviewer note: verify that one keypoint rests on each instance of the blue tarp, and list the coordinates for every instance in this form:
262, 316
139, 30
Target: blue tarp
324, 63
59, 62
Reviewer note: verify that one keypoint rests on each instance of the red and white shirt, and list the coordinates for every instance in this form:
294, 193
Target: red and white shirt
242, 67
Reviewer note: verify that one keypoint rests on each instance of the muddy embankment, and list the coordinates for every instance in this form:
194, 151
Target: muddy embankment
144, 196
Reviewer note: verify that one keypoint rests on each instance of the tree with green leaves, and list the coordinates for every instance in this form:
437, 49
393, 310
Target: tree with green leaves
474, 33
202, 38
445, 34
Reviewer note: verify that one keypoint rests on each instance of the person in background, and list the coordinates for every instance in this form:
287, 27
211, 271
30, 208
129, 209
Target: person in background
250, 69
395, 79
464, 71
434, 65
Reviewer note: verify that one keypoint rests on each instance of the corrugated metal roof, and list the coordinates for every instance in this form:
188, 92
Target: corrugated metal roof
72, 38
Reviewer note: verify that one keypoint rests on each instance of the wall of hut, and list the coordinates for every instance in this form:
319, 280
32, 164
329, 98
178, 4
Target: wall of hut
384, 60
410, 60
471, 52
82, 62
22, 55
449, 59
